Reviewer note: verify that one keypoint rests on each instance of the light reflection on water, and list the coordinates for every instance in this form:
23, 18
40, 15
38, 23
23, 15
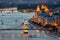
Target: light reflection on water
16, 37
19, 35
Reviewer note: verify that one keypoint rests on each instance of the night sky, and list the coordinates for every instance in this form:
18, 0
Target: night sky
28, 1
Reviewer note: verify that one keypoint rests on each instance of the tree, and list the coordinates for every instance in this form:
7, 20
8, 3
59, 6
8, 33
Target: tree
54, 29
49, 27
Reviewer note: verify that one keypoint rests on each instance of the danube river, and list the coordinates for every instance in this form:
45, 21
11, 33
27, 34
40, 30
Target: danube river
14, 20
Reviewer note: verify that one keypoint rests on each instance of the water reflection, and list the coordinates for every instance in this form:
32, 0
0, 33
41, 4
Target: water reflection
25, 36
19, 35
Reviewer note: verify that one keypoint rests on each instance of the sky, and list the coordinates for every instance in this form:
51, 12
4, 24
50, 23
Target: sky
19, 0
22, 1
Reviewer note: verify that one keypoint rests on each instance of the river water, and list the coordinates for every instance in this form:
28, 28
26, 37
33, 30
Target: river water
14, 20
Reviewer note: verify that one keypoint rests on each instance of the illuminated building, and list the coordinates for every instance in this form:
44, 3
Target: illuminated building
5, 10
47, 17
45, 8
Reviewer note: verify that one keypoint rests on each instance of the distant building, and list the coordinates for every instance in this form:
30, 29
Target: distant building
5, 10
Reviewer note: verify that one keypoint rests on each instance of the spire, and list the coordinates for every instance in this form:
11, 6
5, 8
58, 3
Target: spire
38, 9
50, 13
45, 8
